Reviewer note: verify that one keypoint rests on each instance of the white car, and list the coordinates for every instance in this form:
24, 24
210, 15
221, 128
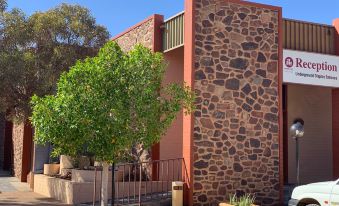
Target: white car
322, 194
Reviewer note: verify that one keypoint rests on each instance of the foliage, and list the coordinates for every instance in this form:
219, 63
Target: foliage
36, 49
245, 200
106, 104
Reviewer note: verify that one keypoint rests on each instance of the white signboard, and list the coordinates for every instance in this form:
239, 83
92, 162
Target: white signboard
310, 68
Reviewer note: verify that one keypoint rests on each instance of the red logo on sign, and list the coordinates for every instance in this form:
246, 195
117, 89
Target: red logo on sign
289, 62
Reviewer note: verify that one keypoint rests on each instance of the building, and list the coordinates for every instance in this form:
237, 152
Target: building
253, 72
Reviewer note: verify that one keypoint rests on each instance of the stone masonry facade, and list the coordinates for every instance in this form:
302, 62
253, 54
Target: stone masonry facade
236, 124
141, 34
18, 145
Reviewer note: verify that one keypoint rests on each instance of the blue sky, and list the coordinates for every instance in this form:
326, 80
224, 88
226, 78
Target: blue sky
118, 15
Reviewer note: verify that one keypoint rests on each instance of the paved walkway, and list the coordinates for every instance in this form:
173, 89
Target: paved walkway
13, 192
26, 198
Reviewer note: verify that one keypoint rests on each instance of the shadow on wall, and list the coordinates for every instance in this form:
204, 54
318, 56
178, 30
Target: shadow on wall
8, 148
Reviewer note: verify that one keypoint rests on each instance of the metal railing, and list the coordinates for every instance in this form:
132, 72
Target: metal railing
173, 34
137, 183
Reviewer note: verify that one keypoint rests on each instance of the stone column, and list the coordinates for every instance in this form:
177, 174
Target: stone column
237, 119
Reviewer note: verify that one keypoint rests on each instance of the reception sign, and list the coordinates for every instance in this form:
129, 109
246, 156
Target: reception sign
310, 68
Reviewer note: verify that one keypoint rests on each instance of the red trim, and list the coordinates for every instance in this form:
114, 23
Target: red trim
336, 37
335, 111
285, 133
26, 151
157, 45
281, 122
157, 35
135, 26
188, 120
335, 132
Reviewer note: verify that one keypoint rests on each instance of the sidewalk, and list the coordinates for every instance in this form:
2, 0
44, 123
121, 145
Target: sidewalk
13, 192
26, 198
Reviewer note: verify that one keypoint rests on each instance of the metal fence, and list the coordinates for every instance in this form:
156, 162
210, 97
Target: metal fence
137, 183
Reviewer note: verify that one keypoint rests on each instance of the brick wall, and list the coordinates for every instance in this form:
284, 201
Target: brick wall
236, 123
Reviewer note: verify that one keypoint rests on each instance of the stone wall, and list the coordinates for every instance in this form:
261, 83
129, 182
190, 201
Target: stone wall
139, 34
236, 130
18, 144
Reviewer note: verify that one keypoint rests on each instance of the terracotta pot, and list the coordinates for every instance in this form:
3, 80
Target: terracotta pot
51, 169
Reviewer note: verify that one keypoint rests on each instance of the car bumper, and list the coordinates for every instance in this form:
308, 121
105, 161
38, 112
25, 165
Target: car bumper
293, 202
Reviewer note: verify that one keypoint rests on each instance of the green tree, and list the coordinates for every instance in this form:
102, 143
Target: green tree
36, 49
107, 104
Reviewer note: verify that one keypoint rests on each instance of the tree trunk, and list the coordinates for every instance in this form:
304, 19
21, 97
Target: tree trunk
104, 184
140, 154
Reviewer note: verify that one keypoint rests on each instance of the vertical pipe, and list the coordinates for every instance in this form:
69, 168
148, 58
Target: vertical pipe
167, 176
118, 188
162, 177
123, 184
135, 180
113, 185
147, 180
140, 178
100, 185
297, 159
152, 182
95, 185
129, 182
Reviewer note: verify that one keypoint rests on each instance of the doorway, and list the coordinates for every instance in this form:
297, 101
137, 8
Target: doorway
314, 105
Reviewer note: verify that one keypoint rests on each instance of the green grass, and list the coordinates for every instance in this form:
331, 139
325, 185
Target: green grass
246, 200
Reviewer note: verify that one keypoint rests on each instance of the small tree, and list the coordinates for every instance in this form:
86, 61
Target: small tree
107, 104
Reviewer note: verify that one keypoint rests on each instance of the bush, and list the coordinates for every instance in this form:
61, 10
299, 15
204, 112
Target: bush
245, 200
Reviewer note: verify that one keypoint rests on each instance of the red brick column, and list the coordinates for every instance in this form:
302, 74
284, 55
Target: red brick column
335, 111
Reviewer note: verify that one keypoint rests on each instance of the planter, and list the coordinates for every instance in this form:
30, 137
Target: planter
75, 193
66, 162
87, 176
51, 169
